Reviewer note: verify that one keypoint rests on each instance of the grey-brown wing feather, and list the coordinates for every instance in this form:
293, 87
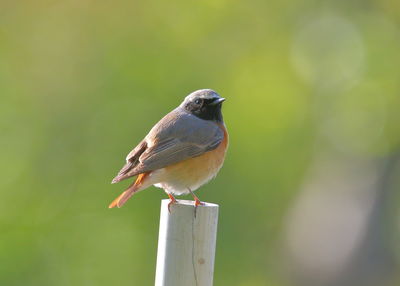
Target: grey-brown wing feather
165, 154
131, 161
177, 137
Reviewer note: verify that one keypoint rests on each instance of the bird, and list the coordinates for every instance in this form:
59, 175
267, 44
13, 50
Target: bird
182, 152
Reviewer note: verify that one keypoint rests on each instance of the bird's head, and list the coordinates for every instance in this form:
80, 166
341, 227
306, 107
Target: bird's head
205, 104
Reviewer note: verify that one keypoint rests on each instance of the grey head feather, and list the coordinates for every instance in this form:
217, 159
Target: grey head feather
201, 93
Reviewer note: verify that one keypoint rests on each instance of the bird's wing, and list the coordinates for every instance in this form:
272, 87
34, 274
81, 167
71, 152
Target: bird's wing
177, 137
131, 162
188, 137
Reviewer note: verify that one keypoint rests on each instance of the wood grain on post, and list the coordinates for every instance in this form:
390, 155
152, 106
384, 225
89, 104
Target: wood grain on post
186, 244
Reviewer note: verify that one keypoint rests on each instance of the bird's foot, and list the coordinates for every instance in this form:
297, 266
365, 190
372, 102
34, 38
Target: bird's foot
171, 202
197, 202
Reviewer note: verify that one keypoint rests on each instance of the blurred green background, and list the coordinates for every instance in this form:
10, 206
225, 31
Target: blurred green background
309, 193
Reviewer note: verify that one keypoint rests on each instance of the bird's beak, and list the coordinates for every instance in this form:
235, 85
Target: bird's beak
218, 100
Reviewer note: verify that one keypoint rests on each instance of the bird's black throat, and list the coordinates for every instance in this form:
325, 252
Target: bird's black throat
207, 112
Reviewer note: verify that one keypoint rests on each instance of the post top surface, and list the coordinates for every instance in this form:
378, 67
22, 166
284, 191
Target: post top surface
191, 203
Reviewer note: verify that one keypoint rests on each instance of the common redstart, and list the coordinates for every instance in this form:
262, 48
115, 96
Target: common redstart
182, 152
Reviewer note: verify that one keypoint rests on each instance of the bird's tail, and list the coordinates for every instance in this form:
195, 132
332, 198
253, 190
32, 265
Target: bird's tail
125, 196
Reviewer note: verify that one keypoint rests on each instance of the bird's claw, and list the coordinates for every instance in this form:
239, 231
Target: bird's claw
171, 202
197, 202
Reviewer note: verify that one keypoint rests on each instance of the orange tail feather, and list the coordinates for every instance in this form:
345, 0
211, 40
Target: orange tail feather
128, 193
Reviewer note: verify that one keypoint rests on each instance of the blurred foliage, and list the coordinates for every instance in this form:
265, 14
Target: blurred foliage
81, 83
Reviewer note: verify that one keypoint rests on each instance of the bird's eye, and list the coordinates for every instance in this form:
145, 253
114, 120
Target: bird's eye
197, 101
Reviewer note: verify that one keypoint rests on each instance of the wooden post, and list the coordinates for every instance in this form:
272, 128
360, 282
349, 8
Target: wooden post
186, 244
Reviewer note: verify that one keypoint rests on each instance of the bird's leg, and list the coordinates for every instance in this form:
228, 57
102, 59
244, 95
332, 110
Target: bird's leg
197, 202
171, 202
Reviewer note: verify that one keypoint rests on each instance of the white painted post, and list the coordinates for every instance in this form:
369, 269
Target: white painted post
186, 244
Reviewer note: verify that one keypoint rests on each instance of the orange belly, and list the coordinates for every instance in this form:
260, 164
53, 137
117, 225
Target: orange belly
194, 172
